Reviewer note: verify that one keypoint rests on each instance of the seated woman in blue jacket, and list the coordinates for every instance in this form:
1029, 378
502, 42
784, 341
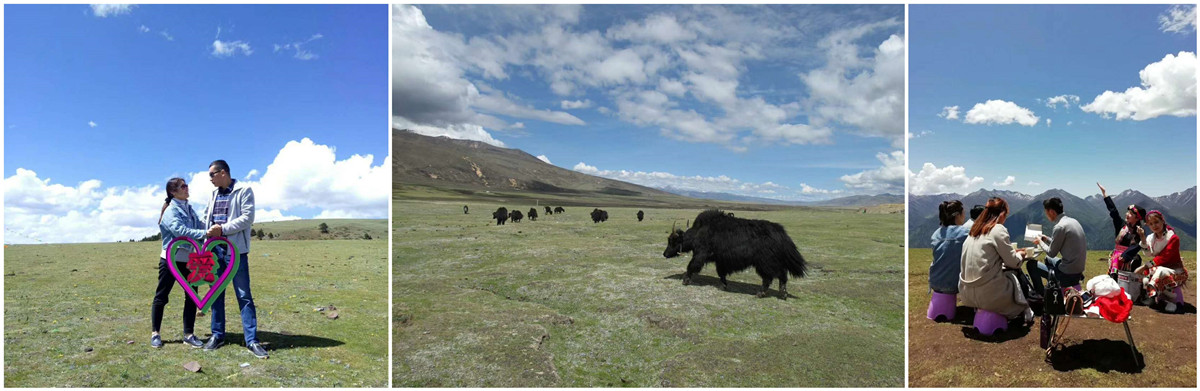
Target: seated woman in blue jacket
947, 248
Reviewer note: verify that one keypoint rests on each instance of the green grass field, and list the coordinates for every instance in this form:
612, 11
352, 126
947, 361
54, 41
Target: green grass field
1097, 355
568, 303
62, 299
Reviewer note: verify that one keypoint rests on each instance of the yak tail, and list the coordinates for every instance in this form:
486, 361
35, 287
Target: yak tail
795, 264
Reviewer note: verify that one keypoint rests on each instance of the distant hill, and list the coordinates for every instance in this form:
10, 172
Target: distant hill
465, 164
339, 229
1180, 209
441, 168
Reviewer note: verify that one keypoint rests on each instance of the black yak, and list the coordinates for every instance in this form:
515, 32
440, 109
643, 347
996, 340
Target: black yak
548, 211
640, 215
501, 215
735, 244
603, 216
515, 216
559, 209
598, 215
532, 214
464, 209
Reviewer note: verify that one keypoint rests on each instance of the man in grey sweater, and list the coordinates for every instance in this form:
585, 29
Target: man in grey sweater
1066, 251
230, 213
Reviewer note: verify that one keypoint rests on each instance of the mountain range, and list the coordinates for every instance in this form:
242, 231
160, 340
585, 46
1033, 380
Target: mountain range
1179, 208
474, 166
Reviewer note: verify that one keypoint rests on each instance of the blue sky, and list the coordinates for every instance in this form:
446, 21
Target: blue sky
1039, 75
105, 103
787, 102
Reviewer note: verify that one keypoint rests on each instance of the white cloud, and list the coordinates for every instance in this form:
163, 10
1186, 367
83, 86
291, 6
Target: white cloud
1168, 88
106, 10
1032, 183
166, 35
544, 159
268, 215
1179, 19
1065, 100
806, 189
1069, 123
648, 67
864, 93
144, 29
298, 47
949, 112
887, 179
1048, 122
718, 184
576, 104
660, 29
250, 175
454, 131
933, 180
999, 112
919, 135
1008, 181
92, 124
226, 49
303, 174
431, 93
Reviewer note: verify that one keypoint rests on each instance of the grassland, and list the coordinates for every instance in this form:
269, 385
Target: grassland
78, 315
1097, 355
569, 303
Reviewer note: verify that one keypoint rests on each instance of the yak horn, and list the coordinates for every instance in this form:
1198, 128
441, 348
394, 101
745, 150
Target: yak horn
673, 225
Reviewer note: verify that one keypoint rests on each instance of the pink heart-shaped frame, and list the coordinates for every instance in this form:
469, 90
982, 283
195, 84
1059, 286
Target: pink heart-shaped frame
219, 285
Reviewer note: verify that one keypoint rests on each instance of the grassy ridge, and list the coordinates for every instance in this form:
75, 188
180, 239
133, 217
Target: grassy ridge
309, 229
565, 302
60, 299
1098, 356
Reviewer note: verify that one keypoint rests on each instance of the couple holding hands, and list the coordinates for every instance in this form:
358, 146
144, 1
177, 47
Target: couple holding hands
229, 214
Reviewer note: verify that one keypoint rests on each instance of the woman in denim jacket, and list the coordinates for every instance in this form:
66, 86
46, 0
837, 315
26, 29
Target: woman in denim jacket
177, 219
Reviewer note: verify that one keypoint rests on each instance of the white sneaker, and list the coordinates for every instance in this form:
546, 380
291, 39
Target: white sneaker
1028, 315
1170, 307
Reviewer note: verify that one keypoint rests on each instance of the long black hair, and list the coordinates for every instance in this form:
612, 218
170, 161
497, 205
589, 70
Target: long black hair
949, 211
173, 184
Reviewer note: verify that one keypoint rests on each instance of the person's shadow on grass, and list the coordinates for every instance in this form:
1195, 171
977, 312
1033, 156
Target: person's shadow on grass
1017, 328
734, 286
285, 340
1103, 355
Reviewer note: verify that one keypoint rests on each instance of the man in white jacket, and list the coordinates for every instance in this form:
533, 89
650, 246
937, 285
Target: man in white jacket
230, 213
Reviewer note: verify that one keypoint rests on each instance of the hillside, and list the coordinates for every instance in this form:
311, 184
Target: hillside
1090, 212
339, 229
427, 167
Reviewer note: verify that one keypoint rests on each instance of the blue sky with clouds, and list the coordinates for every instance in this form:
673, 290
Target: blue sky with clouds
787, 102
1052, 97
105, 103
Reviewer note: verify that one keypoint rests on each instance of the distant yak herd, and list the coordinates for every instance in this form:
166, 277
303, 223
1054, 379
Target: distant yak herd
503, 215
731, 243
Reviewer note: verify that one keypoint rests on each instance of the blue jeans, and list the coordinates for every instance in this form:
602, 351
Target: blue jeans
241, 288
1039, 271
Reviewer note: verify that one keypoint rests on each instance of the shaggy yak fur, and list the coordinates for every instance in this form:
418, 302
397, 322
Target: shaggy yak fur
599, 215
501, 215
735, 244
640, 215
559, 209
548, 211
515, 216
532, 214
